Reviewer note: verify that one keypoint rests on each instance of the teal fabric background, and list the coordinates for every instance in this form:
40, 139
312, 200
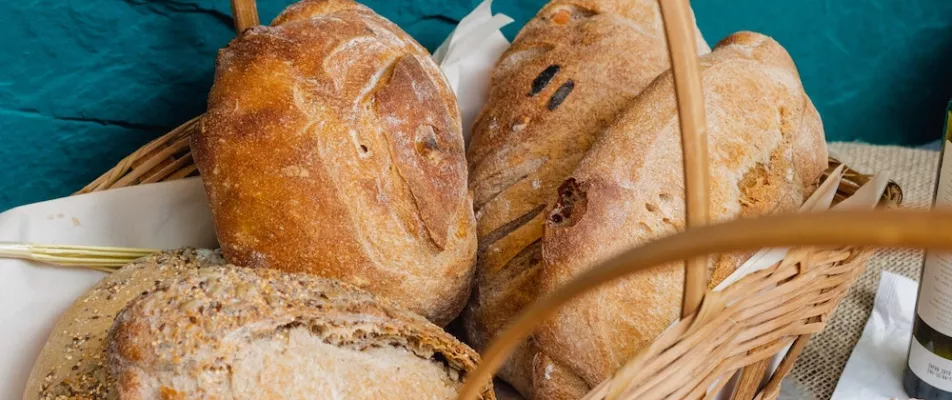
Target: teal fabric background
85, 82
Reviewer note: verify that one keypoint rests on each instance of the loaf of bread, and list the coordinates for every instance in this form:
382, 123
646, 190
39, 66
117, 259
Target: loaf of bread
570, 70
239, 333
766, 148
72, 364
332, 145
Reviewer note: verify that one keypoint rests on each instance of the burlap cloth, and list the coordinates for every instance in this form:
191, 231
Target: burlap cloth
819, 367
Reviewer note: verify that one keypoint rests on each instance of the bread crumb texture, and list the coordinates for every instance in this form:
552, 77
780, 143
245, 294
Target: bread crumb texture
72, 364
235, 333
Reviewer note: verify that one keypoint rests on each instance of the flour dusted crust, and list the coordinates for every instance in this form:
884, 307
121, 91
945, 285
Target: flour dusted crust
766, 147
72, 364
568, 73
332, 145
233, 333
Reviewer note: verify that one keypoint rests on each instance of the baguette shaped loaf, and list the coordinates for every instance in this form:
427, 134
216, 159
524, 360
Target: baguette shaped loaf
332, 145
72, 364
570, 70
766, 148
239, 333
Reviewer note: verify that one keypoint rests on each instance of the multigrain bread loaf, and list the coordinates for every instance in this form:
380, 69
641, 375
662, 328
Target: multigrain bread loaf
332, 146
356, 343
239, 333
72, 364
570, 70
766, 148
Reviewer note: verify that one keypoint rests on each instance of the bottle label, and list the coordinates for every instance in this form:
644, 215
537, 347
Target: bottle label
929, 367
935, 291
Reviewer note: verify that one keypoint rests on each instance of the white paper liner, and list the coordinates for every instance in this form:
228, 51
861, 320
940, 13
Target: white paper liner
468, 56
874, 370
162, 215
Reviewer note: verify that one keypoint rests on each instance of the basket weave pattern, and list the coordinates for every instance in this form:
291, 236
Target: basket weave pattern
749, 322
164, 159
734, 329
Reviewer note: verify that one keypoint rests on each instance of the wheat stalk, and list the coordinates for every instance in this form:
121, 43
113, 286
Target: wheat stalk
100, 258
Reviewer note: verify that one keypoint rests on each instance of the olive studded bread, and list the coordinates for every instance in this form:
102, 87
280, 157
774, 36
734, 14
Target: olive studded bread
766, 148
332, 145
570, 70
239, 333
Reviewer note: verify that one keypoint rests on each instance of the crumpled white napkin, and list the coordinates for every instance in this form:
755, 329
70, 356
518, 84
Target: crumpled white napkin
874, 370
468, 56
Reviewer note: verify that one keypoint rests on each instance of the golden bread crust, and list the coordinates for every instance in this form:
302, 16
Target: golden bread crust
332, 145
766, 147
568, 73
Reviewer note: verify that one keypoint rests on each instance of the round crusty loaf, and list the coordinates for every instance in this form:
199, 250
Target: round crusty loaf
239, 333
332, 145
570, 70
766, 148
72, 364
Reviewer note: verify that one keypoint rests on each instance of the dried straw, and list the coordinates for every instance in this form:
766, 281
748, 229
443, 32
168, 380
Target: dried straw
106, 259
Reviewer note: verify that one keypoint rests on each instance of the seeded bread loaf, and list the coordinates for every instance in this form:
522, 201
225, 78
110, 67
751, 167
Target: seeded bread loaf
766, 148
239, 333
72, 364
568, 72
332, 145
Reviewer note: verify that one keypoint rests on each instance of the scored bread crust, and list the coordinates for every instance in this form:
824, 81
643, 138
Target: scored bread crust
570, 70
332, 145
766, 147
187, 339
72, 363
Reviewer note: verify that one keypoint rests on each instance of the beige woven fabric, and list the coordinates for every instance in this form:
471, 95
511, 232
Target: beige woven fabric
819, 367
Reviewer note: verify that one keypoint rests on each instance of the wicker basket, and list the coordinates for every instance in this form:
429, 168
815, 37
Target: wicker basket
721, 335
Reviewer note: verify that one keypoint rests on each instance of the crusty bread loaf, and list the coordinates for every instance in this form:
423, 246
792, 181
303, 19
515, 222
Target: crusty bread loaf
570, 70
332, 145
239, 333
72, 364
766, 148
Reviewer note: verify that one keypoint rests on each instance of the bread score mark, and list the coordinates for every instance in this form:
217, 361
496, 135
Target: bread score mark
506, 229
421, 144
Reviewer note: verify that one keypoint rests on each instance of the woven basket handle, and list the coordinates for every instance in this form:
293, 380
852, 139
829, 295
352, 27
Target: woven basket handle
931, 230
682, 48
245, 13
